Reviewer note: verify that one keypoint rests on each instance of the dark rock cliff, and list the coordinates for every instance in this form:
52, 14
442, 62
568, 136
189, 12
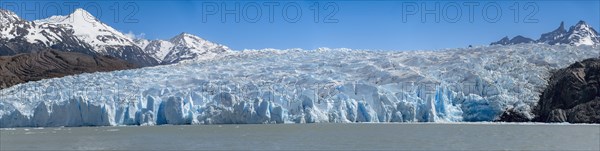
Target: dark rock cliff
573, 95
51, 64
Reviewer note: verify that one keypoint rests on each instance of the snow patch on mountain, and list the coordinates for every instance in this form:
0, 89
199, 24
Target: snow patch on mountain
142, 43
579, 34
76, 32
183, 47
89, 29
582, 34
81, 32
8, 17
7, 20
15, 27
158, 49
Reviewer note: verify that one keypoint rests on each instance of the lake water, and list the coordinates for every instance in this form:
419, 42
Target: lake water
480, 136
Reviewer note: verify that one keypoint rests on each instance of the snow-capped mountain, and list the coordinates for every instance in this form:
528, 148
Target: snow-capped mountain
89, 29
81, 32
158, 49
76, 32
8, 17
579, 34
182, 47
21, 36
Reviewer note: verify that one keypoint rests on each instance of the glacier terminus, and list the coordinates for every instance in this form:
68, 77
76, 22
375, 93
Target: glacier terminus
299, 86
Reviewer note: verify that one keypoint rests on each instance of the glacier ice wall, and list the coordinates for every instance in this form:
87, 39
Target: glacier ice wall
299, 86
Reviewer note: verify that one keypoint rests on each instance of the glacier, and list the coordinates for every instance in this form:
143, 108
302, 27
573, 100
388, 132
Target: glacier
299, 86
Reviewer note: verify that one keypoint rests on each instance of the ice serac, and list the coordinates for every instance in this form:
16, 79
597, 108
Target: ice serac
300, 86
74, 112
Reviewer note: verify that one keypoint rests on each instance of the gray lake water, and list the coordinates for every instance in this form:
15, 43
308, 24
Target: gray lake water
308, 137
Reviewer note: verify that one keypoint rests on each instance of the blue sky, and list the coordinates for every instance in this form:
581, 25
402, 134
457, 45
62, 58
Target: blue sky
357, 24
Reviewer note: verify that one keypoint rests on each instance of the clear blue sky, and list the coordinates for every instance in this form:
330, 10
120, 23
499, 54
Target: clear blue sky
357, 24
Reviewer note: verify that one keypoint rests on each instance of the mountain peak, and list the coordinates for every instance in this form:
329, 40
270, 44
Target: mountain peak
579, 34
80, 31
82, 14
184, 34
186, 38
582, 34
90, 30
515, 40
580, 25
7, 16
6, 13
80, 10
562, 26
554, 36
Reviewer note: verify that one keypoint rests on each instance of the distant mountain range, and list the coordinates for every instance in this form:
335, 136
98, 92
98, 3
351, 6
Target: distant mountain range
81, 32
580, 34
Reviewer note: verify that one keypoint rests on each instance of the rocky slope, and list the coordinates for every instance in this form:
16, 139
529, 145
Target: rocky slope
50, 64
573, 95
